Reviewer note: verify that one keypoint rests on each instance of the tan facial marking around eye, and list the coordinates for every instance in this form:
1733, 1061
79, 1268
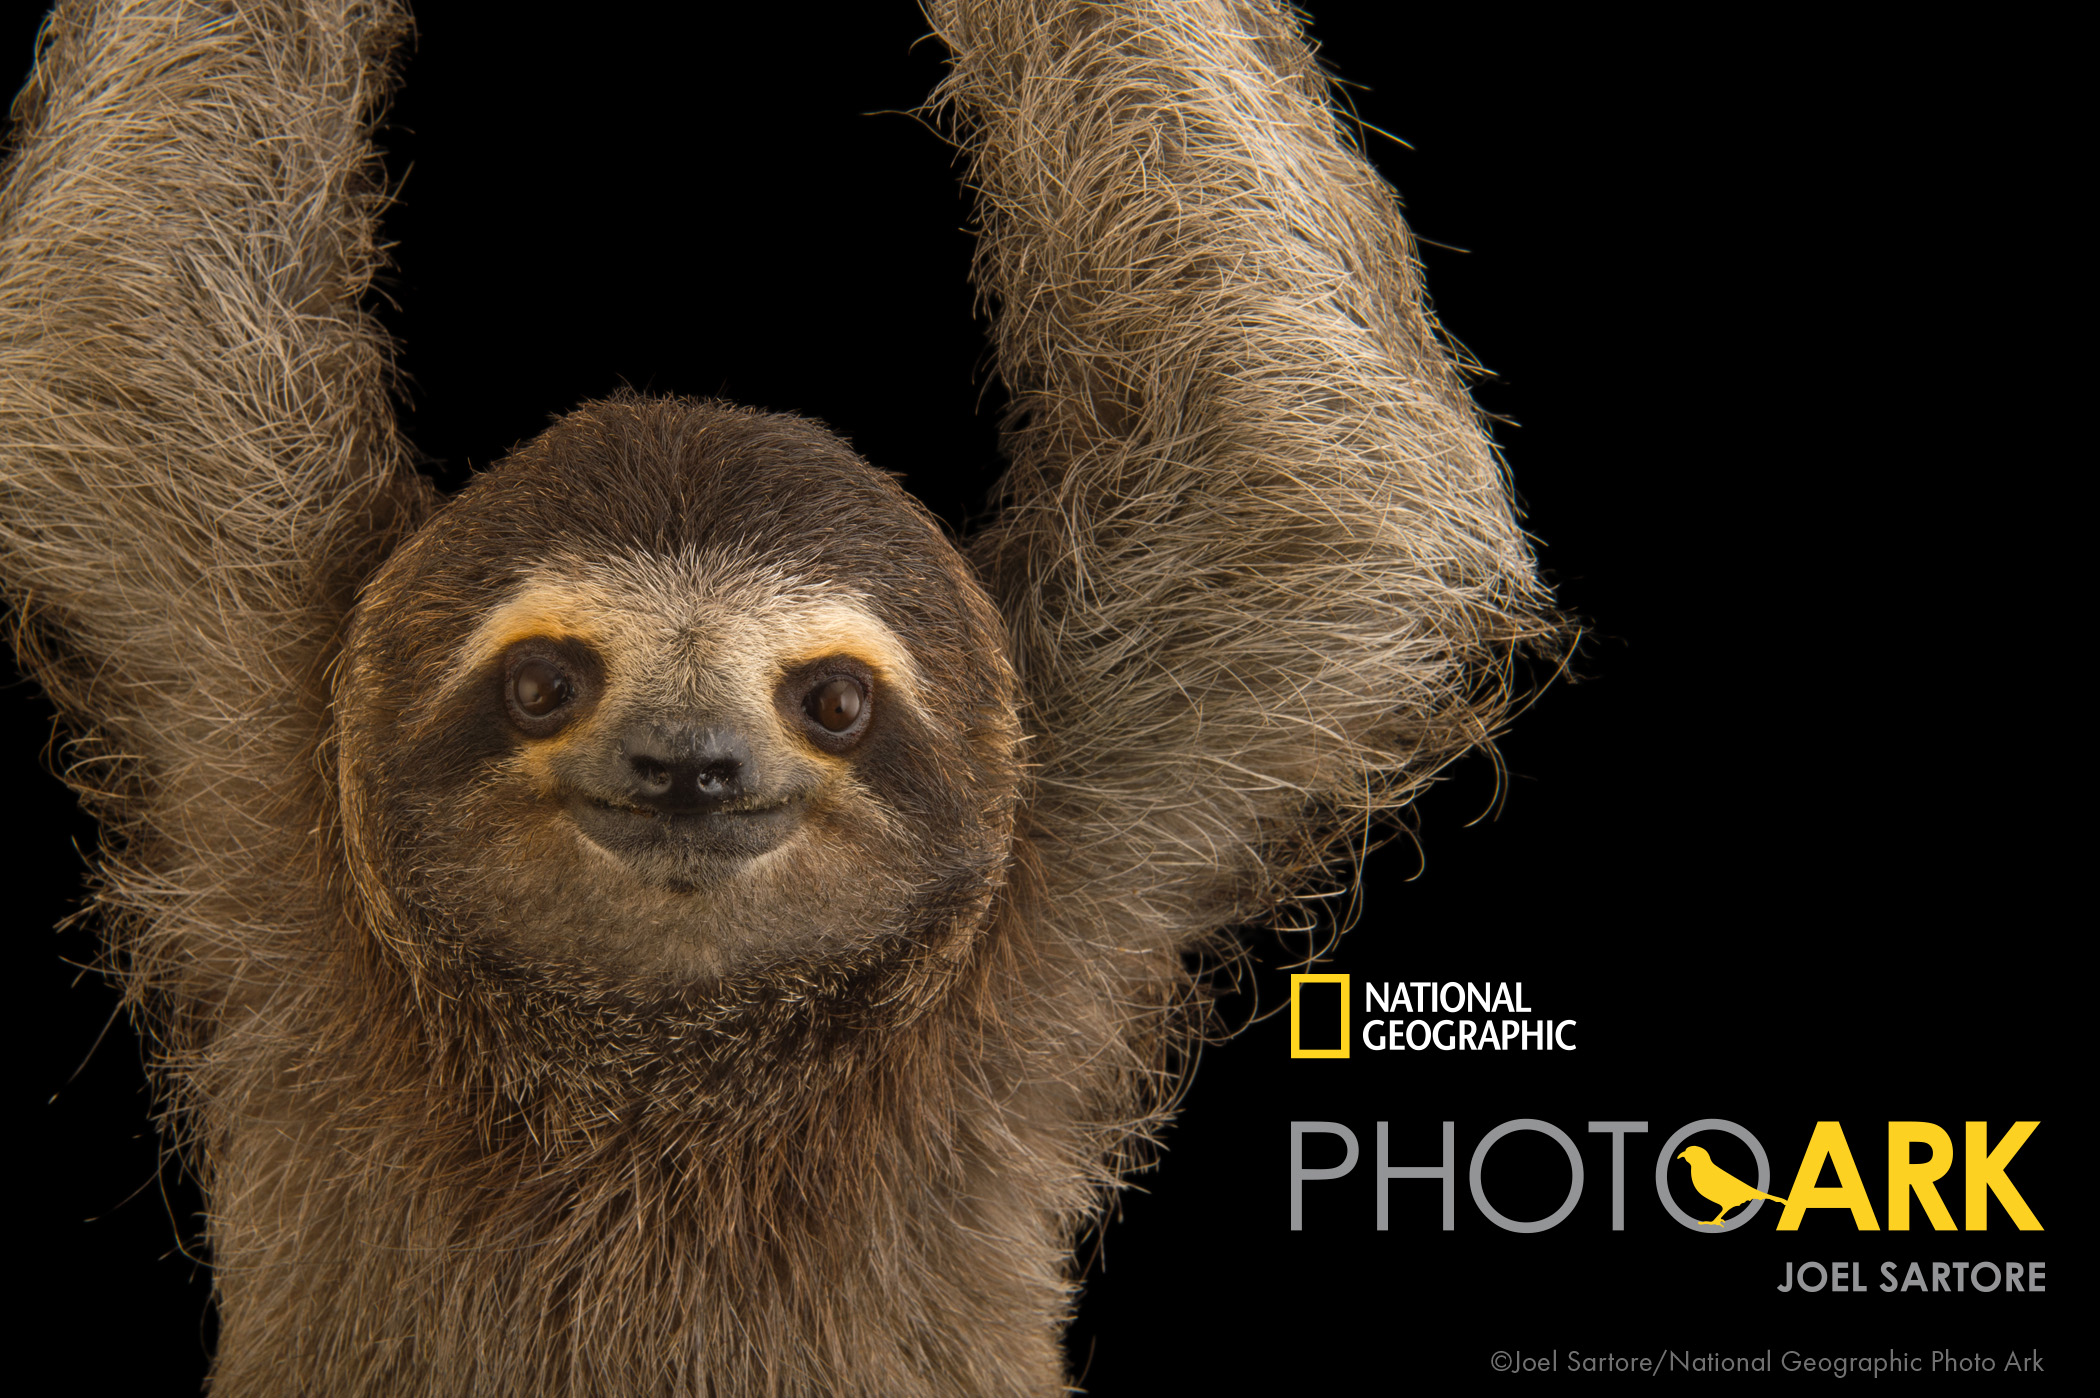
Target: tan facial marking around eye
554, 610
848, 631
691, 634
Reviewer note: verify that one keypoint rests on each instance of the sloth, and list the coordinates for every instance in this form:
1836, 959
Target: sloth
669, 918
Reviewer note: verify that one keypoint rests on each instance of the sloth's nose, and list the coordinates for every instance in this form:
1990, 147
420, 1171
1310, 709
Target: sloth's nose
685, 769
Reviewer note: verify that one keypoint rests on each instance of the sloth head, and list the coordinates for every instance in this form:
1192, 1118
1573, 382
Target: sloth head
679, 691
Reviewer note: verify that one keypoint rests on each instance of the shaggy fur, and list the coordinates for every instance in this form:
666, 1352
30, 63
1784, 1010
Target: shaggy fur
1256, 578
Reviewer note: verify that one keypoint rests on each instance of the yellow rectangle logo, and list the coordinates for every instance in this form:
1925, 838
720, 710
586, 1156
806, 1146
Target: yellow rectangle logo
1298, 1050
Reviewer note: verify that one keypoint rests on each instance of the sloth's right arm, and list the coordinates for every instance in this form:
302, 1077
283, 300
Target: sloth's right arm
199, 453
198, 459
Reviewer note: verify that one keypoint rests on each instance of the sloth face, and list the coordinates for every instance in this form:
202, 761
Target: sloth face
693, 719
683, 691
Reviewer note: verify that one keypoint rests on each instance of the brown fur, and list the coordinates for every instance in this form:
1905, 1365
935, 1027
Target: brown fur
1255, 580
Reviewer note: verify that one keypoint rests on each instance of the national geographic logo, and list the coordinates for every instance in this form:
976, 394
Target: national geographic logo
1404, 1016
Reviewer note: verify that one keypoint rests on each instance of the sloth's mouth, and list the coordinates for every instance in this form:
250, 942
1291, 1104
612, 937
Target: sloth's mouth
746, 806
684, 846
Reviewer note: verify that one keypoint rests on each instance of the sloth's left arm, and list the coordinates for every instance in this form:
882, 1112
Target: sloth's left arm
1260, 563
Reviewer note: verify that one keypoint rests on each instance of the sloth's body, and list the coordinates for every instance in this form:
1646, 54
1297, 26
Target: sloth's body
665, 919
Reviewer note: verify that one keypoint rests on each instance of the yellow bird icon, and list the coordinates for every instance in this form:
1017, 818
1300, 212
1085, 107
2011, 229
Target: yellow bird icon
1718, 1185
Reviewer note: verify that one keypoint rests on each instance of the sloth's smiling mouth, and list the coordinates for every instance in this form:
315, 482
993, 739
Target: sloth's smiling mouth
748, 807
684, 846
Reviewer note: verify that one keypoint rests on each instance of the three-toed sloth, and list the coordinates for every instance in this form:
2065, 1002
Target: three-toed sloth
667, 918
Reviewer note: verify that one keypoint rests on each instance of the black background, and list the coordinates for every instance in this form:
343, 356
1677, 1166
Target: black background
1765, 310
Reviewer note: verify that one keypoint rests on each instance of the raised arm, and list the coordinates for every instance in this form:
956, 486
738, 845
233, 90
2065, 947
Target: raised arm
197, 455
1259, 559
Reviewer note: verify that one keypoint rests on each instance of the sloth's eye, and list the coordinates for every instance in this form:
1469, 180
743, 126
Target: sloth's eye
538, 687
836, 705
832, 700
546, 684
